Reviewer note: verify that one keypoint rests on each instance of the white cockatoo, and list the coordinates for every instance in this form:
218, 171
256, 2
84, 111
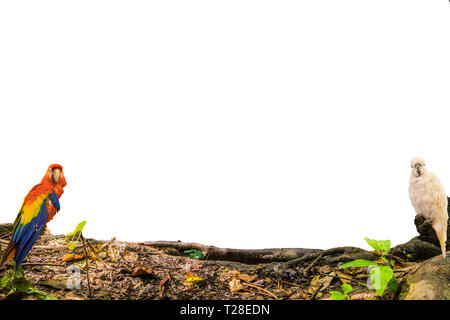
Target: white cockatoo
429, 199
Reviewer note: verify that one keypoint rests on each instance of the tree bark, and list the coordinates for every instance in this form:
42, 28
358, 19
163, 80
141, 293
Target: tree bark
430, 281
249, 256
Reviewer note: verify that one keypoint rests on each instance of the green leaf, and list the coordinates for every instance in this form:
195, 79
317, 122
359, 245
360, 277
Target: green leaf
358, 263
80, 227
336, 295
71, 246
41, 295
194, 254
380, 277
20, 282
12, 291
379, 245
78, 230
4, 281
346, 288
393, 285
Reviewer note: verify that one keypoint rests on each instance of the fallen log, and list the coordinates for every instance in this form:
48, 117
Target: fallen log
426, 231
249, 256
416, 250
344, 254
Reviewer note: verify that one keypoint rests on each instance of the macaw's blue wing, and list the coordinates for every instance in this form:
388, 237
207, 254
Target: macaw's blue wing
26, 232
55, 201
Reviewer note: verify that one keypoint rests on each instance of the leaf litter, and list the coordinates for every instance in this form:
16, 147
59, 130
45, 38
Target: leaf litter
129, 270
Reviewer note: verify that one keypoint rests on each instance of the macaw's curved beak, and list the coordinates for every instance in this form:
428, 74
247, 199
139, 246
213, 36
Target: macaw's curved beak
56, 175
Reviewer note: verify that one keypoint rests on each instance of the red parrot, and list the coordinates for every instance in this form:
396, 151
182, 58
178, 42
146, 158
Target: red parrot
38, 208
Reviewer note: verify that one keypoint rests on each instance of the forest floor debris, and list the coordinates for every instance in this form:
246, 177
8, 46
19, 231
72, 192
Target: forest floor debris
124, 270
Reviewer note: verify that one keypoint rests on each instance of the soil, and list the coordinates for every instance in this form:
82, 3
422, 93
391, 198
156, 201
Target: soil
124, 270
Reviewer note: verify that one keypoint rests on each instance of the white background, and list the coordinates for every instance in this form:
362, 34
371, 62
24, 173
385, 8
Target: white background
245, 124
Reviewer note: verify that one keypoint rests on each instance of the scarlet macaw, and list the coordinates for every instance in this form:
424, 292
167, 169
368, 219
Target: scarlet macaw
38, 208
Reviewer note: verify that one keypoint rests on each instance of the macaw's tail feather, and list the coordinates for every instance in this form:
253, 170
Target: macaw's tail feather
22, 251
9, 253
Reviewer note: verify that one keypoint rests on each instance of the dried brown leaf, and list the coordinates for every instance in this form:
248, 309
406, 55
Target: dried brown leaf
114, 253
142, 271
72, 257
235, 285
344, 277
130, 256
163, 281
246, 278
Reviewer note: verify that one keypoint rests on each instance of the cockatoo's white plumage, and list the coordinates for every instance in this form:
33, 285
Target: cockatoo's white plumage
429, 199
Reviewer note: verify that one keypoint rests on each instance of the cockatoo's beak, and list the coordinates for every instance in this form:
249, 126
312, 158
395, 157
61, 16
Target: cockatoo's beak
417, 167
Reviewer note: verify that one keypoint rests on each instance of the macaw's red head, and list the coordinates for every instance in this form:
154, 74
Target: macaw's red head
56, 175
